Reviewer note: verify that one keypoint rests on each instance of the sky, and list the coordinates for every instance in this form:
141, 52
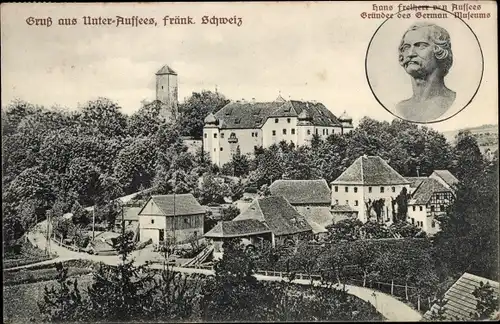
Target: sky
309, 51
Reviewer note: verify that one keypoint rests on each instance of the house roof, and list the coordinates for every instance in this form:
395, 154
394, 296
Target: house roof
254, 114
129, 214
166, 70
238, 228
415, 181
302, 191
185, 204
459, 300
370, 170
277, 213
342, 209
317, 217
425, 190
447, 177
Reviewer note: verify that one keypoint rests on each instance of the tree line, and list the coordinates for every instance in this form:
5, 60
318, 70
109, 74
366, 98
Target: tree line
58, 160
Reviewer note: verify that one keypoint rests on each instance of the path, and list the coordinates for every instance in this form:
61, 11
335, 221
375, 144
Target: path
391, 308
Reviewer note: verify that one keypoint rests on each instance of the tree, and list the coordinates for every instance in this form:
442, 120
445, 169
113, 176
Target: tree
230, 213
195, 108
64, 303
212, 190
401, 202
146, 121
469, 161
104, 117
487, 302
238, 166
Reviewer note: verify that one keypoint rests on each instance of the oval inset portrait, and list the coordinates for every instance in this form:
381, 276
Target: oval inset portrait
424, 70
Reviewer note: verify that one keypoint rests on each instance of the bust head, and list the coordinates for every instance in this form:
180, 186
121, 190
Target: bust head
424, 48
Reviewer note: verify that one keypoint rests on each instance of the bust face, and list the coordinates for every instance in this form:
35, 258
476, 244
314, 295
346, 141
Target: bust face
418, 53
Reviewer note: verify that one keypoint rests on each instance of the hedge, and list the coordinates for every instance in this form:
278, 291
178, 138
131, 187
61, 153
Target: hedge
12, 263
32, 276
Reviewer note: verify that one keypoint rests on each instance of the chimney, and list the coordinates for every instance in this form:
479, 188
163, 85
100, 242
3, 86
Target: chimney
253, 100
243, 100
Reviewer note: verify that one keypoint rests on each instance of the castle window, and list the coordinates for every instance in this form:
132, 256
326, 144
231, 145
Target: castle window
327, 132
274, 133
346, 189
215, 150
316, 131
323, 131
162, 87
413, 208
221, 135
381, 189
355, 189
355, 203
421, 208
333, 131
152, 221
347, 202
276, 120
215, 135
293, 131
206, 135
308, 132
413, 221
288, 120
284, 131
369, 189
336, 188
221, 149
336, 201
393, 189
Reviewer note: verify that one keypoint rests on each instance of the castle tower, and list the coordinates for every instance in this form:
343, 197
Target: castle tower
346, 122
166, 92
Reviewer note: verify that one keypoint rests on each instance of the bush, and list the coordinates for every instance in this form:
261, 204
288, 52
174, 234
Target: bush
253, 190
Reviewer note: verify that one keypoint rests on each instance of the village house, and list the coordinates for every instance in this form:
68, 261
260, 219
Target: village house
253, 124
174, 217
430, 198
311, 198
459, 302
270, 219
366, 180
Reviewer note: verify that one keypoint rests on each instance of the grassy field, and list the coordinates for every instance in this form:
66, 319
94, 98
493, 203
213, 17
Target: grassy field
20, 301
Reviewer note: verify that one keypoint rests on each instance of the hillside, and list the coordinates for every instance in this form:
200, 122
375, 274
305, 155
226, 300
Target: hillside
486, 135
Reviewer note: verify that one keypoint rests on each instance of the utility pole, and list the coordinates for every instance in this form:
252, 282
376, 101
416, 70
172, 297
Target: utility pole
93, 222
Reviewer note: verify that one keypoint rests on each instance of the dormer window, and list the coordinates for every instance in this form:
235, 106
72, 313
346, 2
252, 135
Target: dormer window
228, 112
237, 120
276, 120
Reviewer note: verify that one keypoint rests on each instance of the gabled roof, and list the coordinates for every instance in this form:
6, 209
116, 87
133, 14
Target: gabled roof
302, 191
416, 181
425, 190
342, 209
166, 70
446, 176
130, 214
277, 213
236, 115
459, 300
185, 204
370, 171
317, 217
238, 228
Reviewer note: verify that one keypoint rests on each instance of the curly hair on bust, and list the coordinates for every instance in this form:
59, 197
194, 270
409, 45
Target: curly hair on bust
441, 41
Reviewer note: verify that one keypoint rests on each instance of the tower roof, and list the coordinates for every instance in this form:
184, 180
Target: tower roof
210, 119
345, 117
166, 70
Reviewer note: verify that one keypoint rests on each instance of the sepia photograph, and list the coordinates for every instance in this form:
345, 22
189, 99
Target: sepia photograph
250, 162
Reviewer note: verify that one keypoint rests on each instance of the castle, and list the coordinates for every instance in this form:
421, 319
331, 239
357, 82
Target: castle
253, 124
250, 124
